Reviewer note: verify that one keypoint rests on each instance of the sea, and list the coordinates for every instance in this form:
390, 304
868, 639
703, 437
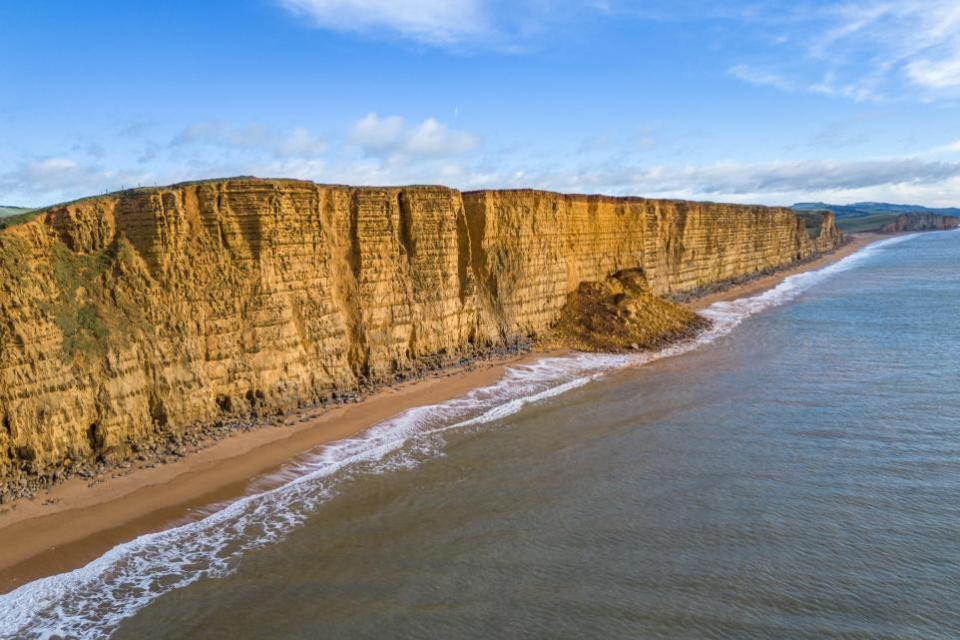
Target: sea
793, 473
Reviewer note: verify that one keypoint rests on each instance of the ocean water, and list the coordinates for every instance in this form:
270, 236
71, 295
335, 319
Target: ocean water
795, 473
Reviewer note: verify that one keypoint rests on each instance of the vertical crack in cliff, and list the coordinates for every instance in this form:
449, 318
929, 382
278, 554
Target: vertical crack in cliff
359, 351
178, 311
407, 240
475, 211
464, 248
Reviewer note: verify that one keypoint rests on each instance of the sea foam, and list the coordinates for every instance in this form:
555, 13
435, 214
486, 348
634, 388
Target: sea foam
91, 602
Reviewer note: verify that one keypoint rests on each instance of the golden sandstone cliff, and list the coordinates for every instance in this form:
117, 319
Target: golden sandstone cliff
129, 317
921, 222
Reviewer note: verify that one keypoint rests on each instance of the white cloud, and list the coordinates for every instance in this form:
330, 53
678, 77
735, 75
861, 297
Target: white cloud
917, 41
859, 91
298, 142
375, 150
941, 74
376, 134
432, 22
951, 148
905, 180
799, 176
864, 50
760, 77
391, 134
434, 138
54, 179
507, 26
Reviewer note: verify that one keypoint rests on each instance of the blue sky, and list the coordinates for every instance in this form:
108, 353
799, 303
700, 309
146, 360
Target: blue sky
755, 101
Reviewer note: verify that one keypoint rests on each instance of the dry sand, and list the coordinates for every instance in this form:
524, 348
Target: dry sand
76, 522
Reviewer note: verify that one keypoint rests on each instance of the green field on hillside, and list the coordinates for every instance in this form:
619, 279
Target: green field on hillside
13, 211
10, 216
866, 223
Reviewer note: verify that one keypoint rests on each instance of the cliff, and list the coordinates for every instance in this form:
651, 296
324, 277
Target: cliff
921, 222
130, 317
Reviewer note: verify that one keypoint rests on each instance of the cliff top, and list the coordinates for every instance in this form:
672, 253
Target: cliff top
29, 215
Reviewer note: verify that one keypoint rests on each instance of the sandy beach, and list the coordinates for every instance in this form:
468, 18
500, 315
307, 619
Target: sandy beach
76, 522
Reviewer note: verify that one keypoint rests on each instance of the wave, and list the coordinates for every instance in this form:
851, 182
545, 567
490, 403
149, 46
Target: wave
92, 601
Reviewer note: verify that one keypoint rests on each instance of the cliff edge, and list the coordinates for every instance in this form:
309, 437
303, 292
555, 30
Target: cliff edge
133, 316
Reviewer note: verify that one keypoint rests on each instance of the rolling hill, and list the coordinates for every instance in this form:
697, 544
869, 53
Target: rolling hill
860, 209
871, 216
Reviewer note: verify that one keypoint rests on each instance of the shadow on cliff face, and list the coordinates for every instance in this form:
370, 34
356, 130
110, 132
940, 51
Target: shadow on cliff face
169, 316
621, 314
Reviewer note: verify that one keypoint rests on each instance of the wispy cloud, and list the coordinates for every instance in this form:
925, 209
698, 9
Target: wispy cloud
866, 50
760, 77
373, 150
908, 180
391, 134
463, 26
802, 176
431, 22
298, 142
953, 147
841, 134
48, 180
939, 74
392, 149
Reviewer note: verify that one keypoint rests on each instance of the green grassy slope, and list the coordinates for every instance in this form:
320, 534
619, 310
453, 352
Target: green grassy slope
13, 211
10, 216
866, 223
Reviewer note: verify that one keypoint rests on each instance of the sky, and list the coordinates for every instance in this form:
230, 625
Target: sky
742, 101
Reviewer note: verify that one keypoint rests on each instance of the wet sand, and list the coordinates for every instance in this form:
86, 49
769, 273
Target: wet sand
74, 523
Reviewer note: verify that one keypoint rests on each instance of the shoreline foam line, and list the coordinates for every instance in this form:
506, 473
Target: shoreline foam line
93, 600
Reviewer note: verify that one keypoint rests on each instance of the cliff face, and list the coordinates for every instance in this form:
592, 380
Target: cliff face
127, 317
922, 222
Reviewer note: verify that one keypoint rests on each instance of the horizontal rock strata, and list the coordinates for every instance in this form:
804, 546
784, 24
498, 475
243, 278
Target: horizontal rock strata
129, 317
921, 222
